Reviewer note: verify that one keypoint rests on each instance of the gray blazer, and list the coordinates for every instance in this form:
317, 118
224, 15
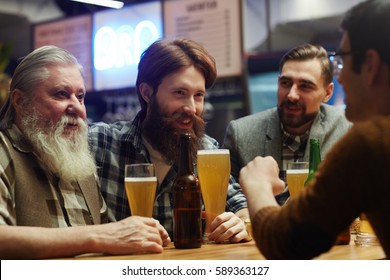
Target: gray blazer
260, 135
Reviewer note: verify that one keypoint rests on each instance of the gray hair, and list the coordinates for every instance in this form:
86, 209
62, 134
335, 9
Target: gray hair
30, 72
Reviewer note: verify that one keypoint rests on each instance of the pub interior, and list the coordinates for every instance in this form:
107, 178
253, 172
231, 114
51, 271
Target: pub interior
247, 38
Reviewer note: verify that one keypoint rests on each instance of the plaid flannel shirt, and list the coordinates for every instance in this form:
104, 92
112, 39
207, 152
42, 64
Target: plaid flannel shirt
120, 143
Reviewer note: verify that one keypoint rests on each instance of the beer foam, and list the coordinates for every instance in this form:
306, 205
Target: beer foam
214, 151
140, 179
297, 171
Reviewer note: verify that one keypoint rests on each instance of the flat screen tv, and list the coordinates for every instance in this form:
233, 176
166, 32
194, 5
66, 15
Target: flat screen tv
119, 38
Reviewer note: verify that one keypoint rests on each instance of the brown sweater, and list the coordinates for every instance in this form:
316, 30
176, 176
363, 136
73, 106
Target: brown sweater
354, 178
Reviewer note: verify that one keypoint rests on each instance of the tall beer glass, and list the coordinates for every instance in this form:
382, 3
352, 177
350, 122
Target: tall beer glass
214, 173
365, 235
141, 184
296, 175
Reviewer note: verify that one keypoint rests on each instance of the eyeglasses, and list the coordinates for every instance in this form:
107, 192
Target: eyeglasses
336, 60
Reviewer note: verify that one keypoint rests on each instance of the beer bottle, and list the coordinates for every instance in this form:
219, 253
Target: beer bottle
187, 223
314, 159
344, 237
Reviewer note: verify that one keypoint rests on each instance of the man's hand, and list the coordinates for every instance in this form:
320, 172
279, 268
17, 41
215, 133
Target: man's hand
260, 182
133, 235
228, 227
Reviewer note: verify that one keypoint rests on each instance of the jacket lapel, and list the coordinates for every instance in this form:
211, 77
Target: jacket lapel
91, 194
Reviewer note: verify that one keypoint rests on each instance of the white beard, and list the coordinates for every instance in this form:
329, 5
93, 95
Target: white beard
66, 155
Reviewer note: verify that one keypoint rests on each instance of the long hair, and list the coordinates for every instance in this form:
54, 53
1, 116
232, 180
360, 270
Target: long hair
164, 57
31, 71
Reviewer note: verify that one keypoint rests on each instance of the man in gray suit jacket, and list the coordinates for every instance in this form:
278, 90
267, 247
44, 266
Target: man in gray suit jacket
305, 82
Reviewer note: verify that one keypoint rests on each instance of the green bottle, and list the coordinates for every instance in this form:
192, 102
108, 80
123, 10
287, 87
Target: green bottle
314, 159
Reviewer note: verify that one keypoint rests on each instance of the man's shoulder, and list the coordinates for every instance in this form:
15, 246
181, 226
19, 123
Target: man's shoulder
102, 126
3, 143
112, 129
257, 119
331, 110
209, 143
333, 114
378, 125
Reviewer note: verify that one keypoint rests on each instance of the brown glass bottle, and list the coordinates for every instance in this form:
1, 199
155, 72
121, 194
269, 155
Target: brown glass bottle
187, 223
344, 237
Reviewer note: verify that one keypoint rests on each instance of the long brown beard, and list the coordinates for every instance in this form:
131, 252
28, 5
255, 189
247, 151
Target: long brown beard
159, 130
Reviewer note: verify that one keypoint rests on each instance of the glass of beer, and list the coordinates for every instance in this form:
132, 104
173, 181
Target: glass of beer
365, 235
141, 185
296, 175
214, 172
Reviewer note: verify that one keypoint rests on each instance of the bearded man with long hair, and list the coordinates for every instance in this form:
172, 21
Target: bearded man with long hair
171, 86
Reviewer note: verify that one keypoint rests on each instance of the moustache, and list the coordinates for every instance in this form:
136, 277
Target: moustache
195, 119
290, 103
67, 120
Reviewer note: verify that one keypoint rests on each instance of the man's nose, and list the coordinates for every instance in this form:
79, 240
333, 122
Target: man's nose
189, 106
75, 106
293, 94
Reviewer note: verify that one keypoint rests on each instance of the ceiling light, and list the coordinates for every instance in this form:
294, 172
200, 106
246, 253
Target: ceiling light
104, 3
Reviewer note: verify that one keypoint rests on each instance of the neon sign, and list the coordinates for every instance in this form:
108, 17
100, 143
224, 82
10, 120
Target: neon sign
119, 38
117, 48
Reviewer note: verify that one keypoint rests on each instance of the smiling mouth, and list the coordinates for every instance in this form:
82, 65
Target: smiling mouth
184, 123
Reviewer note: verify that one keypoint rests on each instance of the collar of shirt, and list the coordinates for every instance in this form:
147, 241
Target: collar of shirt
162, 167
295, 142
18, 139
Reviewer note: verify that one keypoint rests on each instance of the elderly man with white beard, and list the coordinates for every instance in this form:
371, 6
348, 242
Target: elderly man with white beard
50, 203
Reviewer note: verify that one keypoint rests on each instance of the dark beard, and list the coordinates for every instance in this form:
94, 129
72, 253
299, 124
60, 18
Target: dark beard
163, 136
295, 121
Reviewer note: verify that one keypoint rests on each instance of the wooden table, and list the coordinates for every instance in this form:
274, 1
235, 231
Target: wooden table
242, 251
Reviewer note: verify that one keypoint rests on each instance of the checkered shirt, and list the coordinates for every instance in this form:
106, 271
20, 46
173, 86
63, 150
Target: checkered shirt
120, 143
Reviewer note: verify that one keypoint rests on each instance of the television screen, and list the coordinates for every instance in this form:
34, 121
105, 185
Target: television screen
119, 38
263, 88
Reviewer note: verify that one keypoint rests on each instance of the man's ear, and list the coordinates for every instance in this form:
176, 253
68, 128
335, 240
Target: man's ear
328, 92
146, 91
16, 100
373, 62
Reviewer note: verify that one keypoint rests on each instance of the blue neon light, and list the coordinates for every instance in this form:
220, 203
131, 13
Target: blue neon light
119, 38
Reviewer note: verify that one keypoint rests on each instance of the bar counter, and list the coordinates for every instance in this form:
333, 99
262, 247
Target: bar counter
241, 251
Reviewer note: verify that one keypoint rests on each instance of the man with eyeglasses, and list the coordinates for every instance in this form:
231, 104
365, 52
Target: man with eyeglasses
354, 178
305, 83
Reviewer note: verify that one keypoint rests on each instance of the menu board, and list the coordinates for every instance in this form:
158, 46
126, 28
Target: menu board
73, 34
215, 24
